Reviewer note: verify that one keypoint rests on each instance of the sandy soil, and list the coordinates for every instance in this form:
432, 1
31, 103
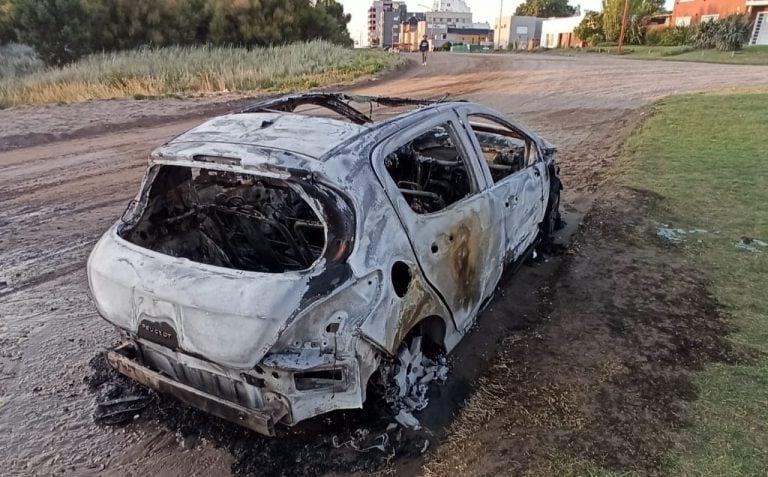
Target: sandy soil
58, 196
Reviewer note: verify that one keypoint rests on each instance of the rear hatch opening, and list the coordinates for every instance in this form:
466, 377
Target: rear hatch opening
229, 219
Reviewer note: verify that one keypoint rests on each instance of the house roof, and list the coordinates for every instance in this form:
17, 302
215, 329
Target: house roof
470, 31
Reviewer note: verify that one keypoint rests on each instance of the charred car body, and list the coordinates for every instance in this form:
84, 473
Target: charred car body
274, 260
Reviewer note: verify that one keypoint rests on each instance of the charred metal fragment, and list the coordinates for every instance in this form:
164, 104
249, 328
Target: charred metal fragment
336, 102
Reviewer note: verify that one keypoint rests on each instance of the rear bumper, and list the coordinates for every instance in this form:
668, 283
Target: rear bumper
261, 421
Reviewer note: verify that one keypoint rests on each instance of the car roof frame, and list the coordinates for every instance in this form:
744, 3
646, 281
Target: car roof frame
336, 102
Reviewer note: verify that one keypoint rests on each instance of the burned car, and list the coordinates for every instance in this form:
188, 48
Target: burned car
275, 260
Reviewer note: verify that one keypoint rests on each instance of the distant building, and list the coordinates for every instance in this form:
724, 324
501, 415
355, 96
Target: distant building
692, 12
469, 36
379, 33
558, 32
454, 6
517, 32
449, 21
758, 14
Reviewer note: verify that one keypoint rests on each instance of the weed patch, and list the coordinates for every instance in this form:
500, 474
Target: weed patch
151, 72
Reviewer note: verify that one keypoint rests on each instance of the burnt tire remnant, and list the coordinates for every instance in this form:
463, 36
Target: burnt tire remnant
340, 442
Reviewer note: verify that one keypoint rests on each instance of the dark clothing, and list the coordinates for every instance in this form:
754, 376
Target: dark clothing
424, 46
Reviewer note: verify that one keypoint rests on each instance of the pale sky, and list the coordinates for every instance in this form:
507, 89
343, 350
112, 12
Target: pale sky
482, 10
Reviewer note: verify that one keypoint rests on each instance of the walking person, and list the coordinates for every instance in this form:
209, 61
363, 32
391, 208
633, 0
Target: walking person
424, 48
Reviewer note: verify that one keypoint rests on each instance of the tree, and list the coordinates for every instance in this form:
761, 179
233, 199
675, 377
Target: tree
591, 28
57, 29
329, 23
545, 8
7, 34
63, 30
613, 11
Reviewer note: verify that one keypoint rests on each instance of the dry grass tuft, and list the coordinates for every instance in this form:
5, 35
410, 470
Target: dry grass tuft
508, 399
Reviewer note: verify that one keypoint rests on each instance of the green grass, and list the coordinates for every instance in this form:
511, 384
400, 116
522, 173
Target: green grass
707, 156
750, 55
190, 70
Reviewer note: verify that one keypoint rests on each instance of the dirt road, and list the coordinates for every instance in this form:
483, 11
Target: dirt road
57, 198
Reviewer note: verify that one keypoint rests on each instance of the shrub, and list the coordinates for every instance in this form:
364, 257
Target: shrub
676, 36
591, 28
18, 60
635, 34
652, 37
704, 36
731, 33
447, 46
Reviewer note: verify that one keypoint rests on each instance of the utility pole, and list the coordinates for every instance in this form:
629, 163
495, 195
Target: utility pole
501, 14
624, 19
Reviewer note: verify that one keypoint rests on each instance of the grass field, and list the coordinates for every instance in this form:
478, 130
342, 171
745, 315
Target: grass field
185, 71
750, 55
707, 156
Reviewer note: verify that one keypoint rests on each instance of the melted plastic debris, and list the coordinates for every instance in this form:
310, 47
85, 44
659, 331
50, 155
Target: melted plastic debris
120, 411
406, 419
679, 235
673, 235
362, 441
751, 245
413, 375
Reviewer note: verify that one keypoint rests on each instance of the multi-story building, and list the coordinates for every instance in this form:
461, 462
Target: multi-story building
449, 21
381, 12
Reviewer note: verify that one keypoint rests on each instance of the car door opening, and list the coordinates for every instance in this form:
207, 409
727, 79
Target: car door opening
429, 171
506, 152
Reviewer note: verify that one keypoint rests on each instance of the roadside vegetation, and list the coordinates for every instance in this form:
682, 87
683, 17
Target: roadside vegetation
152, 72
645, 38
705, 155
75, 50
650, 352
748, 55
62, 31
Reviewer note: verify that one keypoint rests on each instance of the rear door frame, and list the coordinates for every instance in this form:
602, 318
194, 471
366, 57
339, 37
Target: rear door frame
479, 206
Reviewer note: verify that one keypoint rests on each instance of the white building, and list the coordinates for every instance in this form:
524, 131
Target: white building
517, 31
558, 32
449, 19
454, 6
